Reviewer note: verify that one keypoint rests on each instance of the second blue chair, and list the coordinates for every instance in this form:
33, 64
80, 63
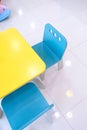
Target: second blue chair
24, 106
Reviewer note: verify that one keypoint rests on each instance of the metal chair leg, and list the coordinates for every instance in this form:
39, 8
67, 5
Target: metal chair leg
42, 76
53, 115
60, 64
39, 83
1, 112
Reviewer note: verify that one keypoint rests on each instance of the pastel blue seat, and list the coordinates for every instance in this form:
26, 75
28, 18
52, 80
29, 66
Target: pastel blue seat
53, 46
5, 14
24, 106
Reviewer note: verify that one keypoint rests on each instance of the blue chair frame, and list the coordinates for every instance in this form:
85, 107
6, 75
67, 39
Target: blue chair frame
53, 46
24, 106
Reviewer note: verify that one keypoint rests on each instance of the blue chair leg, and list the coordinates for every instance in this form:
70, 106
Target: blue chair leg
60, 64
1, 112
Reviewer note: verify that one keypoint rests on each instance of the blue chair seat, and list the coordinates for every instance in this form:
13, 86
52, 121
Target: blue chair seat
5, 14
46, 54
24, 106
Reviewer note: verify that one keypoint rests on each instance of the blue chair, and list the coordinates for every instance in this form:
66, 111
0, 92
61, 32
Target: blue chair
24, 106
5, 12
53, 46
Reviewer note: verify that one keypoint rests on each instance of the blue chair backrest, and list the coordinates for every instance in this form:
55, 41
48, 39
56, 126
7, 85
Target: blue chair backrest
54, 40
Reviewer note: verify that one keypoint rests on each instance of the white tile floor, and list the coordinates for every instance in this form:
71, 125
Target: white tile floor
67, 89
